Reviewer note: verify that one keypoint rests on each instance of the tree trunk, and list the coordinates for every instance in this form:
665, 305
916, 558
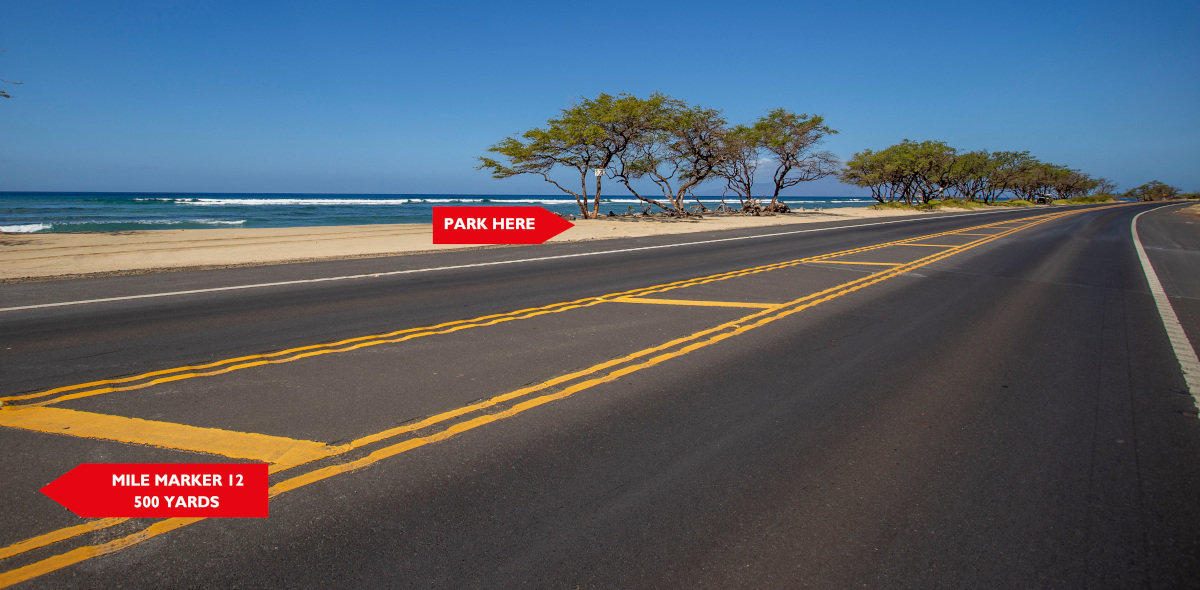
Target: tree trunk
596, 200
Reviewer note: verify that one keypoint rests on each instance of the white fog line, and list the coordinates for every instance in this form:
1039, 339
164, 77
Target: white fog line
1184, 352
474, 265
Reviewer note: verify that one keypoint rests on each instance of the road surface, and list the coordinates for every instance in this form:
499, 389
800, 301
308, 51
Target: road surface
970, 400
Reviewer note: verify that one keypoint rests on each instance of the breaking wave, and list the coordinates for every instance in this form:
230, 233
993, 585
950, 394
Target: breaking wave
26, 228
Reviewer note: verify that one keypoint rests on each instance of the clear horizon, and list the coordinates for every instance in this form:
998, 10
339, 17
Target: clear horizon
377, 98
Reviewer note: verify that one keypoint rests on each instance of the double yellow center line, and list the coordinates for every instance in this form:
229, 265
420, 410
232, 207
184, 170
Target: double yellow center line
148, 379
480, 413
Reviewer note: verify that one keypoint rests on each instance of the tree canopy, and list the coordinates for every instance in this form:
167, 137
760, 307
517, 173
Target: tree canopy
1153, 191
667, 143
671, 147
683, 147
918, 172
792, 140
587, 136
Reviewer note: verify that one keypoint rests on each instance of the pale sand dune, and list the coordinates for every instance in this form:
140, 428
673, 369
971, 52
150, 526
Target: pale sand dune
33, 256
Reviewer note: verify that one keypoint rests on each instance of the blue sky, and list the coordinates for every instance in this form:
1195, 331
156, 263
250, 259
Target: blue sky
400, 98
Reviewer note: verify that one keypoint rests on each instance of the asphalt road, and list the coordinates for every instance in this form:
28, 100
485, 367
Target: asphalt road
995, 407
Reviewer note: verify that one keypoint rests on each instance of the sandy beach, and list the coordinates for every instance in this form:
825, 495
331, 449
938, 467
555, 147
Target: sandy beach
28, 257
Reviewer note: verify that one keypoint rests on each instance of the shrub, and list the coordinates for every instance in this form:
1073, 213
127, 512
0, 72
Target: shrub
961, 204
892, 205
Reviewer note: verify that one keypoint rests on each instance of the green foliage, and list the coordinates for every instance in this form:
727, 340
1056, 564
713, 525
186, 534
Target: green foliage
589, 135
883, 205
1004, 170
1153, 191
678, 146
908, 171
1104, 186
1038, 180
682, 146
970, 174
929, 171
792, 141
959, 204
742, 148
667, 142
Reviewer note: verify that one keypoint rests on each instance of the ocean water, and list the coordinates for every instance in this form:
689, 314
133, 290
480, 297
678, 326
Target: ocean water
70, 212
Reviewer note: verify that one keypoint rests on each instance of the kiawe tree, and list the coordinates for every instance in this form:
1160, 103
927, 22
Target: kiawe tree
1037, 180
932, 165
923, 171
969, 174
908, 171
877, 172
740, 166
1153, 191
665, 142
1073, 183
541, 151
1004, 169
588, 136
792, 140
683, 148
1104, 186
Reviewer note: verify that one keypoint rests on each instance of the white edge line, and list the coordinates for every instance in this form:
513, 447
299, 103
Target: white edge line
474, 265
1184, 352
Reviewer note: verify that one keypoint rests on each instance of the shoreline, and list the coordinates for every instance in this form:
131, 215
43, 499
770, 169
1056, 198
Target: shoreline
33, 257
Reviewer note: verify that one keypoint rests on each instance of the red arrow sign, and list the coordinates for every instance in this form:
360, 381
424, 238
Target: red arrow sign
496, 225
156, 490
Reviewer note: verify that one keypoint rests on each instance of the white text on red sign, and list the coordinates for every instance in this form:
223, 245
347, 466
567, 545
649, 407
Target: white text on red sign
482, 223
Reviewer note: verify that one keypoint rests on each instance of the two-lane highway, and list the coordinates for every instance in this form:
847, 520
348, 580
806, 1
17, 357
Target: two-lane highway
972, 400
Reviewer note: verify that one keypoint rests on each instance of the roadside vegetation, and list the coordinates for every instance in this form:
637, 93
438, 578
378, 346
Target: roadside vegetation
931, 173
1156, 191
670, 145
661, 150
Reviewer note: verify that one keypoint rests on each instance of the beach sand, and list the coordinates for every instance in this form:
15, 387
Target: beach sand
27, 257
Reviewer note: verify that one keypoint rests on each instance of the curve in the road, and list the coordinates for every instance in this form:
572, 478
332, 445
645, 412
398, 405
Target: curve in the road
1184, 352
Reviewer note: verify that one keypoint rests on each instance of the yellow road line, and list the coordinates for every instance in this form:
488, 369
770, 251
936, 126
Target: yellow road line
358, 342
850, 262
277, 450
271, 355
310, 353
714, 335
83, 553
931, 245
74, 556
563, 379
407, 334
179, 373
697, 303
433, 420
59, 535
